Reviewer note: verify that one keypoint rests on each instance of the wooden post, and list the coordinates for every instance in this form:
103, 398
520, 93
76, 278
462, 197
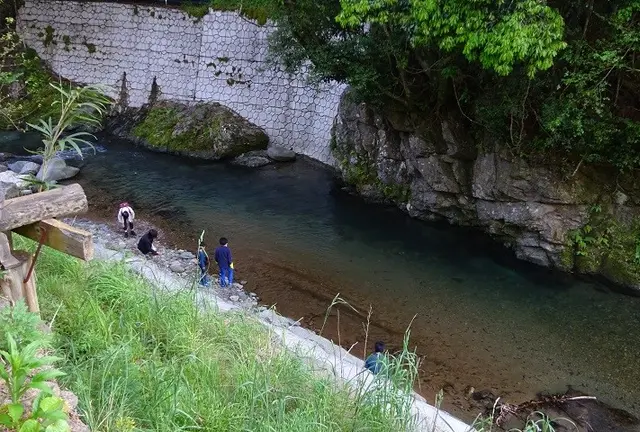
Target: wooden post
14, 287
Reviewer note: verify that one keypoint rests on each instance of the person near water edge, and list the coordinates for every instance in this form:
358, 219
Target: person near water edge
225, 262
375, 362
126, 215
145, 245
203, 263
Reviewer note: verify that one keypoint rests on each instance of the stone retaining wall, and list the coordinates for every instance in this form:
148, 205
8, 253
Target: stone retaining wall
221, 57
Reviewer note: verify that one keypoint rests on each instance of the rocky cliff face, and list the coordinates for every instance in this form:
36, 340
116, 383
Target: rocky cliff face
433, 171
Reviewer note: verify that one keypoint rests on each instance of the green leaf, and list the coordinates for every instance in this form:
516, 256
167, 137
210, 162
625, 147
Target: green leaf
15, 411
45, 360
47, 375
30, 426
58, 426
5, 420
51, 403
41, 386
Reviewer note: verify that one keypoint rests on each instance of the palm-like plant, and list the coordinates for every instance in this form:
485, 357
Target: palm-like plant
82, 106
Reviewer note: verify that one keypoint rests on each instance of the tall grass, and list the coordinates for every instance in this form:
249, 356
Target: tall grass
144, 360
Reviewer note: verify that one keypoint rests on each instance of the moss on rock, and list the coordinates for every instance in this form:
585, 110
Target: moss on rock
31, 96
203, 130
608, 247
157, 127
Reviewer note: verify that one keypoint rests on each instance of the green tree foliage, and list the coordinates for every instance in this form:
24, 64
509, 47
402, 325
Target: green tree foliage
596, 105
498, 33
542, 76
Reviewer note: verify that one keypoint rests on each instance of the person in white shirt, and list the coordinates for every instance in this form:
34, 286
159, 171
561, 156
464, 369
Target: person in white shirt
126, 215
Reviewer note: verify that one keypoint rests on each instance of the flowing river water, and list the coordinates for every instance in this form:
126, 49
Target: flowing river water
478, 318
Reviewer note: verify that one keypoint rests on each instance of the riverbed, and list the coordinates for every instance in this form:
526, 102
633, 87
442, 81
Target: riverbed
478, 318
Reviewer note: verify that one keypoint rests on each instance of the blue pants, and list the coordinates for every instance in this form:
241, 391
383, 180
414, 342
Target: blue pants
226, 277
204, 278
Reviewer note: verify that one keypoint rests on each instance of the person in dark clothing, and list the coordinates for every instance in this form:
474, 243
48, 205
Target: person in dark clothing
225, 262
145, 245
375, 362
203, 263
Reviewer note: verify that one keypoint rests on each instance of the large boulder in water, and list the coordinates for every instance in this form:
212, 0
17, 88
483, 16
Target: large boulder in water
57, 169
202, 130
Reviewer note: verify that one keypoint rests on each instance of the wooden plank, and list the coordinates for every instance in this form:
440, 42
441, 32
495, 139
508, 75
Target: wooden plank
60, 236
25, 210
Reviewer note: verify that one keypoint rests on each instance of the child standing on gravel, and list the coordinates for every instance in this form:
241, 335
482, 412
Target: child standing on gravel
225, 262
203, 263
126, 215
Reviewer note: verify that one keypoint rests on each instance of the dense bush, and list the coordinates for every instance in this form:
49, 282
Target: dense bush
561, 77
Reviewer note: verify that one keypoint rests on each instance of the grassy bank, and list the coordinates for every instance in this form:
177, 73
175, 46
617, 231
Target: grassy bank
144, 360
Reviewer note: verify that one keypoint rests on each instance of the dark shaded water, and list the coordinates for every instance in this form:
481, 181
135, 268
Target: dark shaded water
481, 319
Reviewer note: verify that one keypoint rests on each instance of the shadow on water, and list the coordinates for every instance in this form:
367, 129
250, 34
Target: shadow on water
459, 245
483, 318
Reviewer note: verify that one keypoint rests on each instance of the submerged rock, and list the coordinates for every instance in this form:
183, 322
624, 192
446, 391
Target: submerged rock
202, 130
281, 154
253, 159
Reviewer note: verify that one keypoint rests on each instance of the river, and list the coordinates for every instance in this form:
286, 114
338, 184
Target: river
482, 319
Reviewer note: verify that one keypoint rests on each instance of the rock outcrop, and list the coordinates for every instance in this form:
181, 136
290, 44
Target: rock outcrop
583, 222
202, 130
24, 167
11, 185
56, 170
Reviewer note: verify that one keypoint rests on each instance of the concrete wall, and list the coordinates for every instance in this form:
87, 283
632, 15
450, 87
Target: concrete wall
220, 58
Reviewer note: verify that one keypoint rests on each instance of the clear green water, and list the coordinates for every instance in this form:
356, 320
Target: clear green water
481, 320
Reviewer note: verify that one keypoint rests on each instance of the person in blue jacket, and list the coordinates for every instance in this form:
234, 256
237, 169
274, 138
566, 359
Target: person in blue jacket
225, 262
375, 362
203, 263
